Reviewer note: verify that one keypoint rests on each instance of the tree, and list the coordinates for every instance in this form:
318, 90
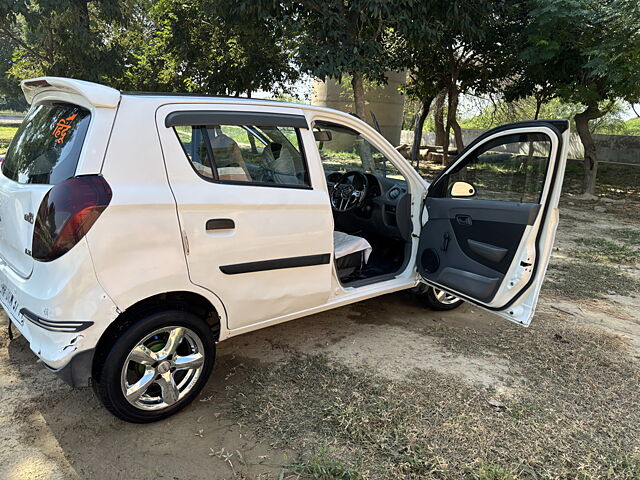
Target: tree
207, 46
347, 38
462, 47
425, 88
167, 45
586, 52
62, 38
10, 93
337, 38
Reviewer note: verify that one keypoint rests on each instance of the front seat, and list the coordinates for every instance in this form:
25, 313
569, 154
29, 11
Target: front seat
281, 165
351, 253
228, 159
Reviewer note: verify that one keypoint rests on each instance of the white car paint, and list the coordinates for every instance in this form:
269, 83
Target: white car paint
150, 239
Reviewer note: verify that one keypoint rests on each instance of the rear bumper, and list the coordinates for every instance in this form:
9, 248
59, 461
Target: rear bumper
77, 373
61, 310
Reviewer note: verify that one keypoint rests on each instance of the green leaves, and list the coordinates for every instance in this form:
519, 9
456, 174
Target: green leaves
588, 50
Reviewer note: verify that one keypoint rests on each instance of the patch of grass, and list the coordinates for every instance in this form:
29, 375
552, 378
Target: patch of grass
576, 416
322, 465
491, 472
6, 134
605, 251
626, 235
581, 280
614, 180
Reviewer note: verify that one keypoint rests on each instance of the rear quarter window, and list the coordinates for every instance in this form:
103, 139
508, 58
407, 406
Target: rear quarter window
46, 147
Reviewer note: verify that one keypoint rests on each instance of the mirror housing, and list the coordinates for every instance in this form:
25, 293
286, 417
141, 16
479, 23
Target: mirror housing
322, 135
462, 190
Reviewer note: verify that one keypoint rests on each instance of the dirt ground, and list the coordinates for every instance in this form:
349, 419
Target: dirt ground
381, 389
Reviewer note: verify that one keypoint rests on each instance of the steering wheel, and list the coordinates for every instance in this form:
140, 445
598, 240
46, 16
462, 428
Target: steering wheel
349, 191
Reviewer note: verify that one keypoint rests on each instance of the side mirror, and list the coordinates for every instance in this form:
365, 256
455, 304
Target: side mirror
322, 135
462, 190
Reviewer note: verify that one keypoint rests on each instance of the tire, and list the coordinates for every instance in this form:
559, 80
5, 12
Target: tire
439, 299
163, 360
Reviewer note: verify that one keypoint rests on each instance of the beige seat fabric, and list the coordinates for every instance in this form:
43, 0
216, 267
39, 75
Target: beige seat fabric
228, 159
281, 163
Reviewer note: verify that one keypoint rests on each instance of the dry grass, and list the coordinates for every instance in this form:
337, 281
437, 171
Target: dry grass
583, 280
576, 416
6, 134
596, 249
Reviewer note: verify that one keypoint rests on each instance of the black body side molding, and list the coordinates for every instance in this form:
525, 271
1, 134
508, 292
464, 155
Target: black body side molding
276, 264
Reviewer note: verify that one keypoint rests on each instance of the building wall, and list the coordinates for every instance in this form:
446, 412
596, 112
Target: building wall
611, 148
385, 102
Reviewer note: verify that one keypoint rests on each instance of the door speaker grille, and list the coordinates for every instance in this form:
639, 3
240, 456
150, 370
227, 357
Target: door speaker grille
430, 260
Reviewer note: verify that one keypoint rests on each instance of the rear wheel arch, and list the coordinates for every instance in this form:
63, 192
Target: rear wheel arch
180, 300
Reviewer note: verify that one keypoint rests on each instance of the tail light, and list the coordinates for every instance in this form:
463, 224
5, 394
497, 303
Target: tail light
66, 214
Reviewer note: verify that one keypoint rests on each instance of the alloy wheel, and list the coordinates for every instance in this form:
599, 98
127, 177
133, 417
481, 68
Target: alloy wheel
162, 368
444, 297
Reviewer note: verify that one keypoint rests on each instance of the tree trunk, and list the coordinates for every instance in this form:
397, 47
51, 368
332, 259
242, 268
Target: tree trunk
538, 107
438, 117
358, 95
457, 134
358, 101
590, 153
452, 108
417, 132
452, 121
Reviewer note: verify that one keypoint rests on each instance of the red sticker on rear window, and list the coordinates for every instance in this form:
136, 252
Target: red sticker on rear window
62, 127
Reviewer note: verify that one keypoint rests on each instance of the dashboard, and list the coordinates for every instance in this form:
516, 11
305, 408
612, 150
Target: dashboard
385, 211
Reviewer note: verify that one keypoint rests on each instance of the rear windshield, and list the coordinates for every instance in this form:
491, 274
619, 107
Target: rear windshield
47, 145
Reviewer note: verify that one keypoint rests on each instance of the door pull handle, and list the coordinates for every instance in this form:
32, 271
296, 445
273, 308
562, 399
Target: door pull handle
464, 220
220, 224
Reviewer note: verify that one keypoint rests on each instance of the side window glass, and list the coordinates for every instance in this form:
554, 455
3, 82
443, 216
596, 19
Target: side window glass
193, 143
246, 154
343, 150
511, 168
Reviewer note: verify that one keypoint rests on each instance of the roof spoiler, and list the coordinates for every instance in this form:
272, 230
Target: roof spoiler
96, 94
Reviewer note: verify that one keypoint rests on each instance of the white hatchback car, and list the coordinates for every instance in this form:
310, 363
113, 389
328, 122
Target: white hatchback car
137, 230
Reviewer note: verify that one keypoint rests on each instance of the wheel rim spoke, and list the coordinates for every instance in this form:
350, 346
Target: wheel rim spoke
175, 338
169, 388
189, 361
143, 355
135, 391
444, 297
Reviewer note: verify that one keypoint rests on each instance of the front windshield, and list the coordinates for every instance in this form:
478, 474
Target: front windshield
343, 150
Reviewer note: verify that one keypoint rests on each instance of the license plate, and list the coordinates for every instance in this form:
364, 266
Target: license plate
10, 302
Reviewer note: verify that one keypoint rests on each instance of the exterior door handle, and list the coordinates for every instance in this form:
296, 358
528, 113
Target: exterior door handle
220, 224
464, 220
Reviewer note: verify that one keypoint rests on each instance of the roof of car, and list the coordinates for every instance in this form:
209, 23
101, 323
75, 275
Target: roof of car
107, 97
225, 98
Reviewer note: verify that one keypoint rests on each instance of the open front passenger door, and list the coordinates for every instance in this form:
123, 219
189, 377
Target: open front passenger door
491, 218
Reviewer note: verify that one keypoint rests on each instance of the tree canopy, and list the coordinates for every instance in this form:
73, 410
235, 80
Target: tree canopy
580, 52
583, 52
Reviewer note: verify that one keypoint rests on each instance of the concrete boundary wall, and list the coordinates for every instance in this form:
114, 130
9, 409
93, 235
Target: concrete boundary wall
611, 148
